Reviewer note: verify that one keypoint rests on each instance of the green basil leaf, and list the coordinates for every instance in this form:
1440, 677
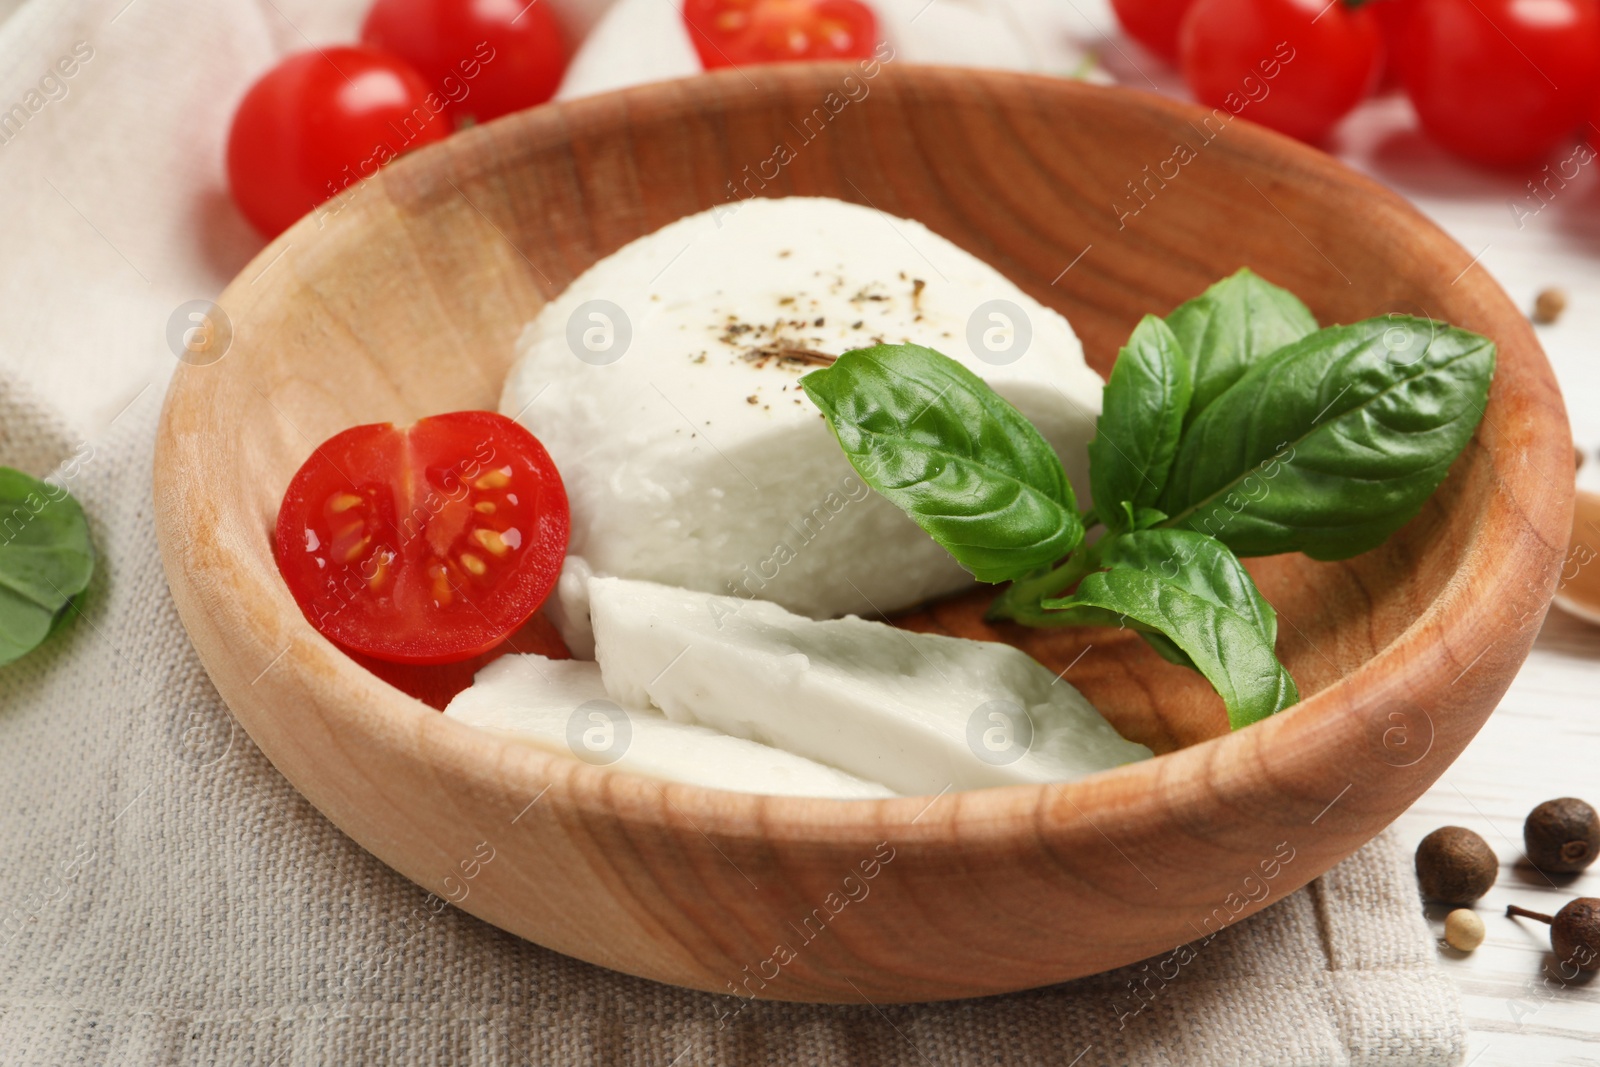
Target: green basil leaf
45, 559
1333, 443
1199, 564
1203, 566
65, 617
1226, 647
1064, 612
945, 448
1230, 326
1144, 518
1167, 650
1134, 518
1140, 420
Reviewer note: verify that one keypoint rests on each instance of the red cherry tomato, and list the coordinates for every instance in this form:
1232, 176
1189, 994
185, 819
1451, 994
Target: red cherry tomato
1298, 66
319, 121
1392, 16
736, 33
424, 544
1153, 23
1502, 82
486, 57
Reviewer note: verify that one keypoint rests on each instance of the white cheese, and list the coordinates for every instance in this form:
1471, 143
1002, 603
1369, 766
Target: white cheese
693, 458
562, 706
568, 607
919, 712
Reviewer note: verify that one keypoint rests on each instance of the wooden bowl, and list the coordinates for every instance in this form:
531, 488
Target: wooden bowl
1579, 589
404, 297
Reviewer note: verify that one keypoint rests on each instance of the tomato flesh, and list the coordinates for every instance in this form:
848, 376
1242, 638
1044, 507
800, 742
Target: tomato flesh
737, 33
320, 121
424, 544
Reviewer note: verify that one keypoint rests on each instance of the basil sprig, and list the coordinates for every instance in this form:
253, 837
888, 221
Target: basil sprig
1233, 427
45, 560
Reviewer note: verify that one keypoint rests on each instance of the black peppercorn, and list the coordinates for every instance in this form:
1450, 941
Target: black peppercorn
1574, 932
1455, 865
1563, 836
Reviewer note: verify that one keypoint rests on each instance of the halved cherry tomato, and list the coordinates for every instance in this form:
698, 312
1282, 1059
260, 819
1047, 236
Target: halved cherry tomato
424, 544
320, 121
487, 57
736, 33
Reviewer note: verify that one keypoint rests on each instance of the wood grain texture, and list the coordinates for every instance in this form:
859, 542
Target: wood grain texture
403, 298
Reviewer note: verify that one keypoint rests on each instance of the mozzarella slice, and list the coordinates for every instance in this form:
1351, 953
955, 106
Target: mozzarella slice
562, 706
568, 607
665, 384
919, 712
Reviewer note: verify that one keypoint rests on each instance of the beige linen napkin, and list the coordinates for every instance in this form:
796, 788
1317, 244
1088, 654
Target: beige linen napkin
167, 898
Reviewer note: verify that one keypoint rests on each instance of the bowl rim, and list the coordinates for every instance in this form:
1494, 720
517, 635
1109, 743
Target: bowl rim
1284, 743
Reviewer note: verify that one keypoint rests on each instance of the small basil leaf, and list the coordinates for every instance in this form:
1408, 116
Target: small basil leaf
1203, 566
1144, 518
45, 559
1230, 326
945, 448
1199, 564
1141, 417
1223, 645
1333, 443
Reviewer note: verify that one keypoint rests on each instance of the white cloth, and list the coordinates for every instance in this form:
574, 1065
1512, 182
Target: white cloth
167, 898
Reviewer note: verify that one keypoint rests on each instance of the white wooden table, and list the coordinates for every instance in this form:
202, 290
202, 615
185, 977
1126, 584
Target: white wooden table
1544, 740
1540, 744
